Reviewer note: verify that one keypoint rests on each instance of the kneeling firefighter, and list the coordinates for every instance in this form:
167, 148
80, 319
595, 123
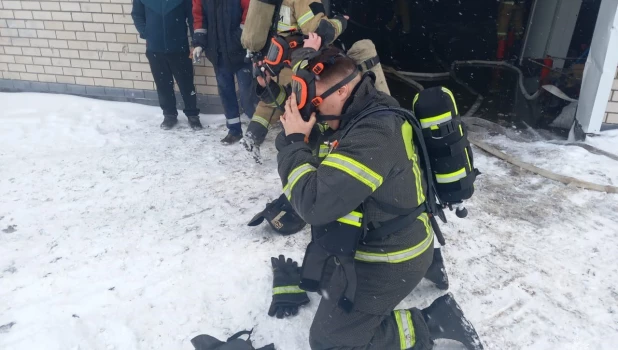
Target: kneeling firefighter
370, 208
277, 26
280, 214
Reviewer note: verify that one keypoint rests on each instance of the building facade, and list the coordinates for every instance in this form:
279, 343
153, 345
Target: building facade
611, 115
83, 48
92, 49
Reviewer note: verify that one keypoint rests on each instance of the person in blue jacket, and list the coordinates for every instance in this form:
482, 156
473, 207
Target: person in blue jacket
163, 24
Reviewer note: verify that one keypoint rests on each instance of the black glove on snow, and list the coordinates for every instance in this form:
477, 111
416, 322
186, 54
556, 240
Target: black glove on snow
199, 39
287, 297
207, 342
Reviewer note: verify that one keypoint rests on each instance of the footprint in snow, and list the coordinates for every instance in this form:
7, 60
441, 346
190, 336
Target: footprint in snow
10, 229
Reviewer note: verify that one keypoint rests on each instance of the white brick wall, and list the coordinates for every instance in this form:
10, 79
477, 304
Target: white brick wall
612, 106
79, 42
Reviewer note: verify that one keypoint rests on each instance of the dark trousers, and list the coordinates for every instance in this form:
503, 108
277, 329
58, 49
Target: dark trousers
229, 99
165, 68
371, 325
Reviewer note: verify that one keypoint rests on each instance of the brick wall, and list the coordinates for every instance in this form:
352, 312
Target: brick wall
612, 106
85, 48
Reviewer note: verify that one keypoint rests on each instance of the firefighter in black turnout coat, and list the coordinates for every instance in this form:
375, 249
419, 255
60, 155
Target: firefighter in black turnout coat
363, 197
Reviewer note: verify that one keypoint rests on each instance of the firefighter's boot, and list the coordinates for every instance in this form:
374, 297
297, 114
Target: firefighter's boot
445, 320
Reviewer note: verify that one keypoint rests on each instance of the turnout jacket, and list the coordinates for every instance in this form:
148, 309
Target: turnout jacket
308, 16
375, 164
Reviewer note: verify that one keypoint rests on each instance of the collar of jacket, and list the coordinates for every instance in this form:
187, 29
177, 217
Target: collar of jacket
162, 6
363, 96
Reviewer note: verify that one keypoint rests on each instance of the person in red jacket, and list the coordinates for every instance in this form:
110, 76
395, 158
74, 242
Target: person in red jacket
218, 25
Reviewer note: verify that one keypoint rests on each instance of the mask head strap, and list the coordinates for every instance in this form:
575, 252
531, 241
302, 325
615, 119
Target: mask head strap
319, 99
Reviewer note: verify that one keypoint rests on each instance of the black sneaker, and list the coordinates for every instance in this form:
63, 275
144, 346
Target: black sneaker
437, 272
231, 138
169, 122
194, 123
445, 320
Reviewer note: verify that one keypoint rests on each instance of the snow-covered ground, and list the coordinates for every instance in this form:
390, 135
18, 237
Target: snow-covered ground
115, 234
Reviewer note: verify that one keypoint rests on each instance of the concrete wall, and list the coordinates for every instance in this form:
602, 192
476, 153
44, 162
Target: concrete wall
612, 106
84, 48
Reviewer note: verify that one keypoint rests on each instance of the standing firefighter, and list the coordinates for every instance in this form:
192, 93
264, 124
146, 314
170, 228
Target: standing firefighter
366, 203
280, 19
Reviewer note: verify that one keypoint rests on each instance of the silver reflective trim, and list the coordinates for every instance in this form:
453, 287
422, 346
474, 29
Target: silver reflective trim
448, 178
396, 257
429, 122
405, 327
373, 181
233, 121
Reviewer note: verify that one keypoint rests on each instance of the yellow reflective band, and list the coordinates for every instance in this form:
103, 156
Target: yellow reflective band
260, 120
420, 196
287, 290
444, 117
323, 152
407, 337
354, 218
305, 18
355, 169
282, 27
452, 177
295, 175
468, 158
323, 127
406, 132
338, 26
414, 101
460, 130
411, 328
295, 68
452, 98
280, 99
403, 255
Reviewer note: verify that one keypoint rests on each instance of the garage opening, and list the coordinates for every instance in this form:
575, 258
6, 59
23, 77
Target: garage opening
547, 42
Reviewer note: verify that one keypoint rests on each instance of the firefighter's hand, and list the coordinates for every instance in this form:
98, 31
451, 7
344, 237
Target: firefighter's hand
293, 122
263, 82
314, 41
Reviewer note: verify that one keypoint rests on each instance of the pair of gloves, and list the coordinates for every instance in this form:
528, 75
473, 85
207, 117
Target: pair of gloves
287, 296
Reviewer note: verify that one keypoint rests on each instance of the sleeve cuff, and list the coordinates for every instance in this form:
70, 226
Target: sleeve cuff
298, 137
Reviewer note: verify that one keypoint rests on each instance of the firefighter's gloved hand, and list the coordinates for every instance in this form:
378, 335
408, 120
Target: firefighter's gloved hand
287, 296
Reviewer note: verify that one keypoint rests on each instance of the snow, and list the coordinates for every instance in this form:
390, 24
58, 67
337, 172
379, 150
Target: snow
115, 234
608, 142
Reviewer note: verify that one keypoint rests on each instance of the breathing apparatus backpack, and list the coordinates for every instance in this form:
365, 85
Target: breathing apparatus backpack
448, 148
262, 18
444, 154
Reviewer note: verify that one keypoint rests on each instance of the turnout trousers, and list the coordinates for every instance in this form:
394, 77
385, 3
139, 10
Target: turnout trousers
373, 325
266, 115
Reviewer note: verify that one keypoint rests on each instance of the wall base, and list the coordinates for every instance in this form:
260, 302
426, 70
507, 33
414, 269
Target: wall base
208, 104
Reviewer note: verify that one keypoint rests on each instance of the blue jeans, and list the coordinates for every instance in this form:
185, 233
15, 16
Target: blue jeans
227, 92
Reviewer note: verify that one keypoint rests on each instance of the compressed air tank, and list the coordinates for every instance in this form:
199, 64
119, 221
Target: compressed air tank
364, 53
258, 23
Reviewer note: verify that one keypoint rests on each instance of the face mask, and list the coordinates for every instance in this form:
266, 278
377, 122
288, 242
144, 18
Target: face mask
280, 51
303, 85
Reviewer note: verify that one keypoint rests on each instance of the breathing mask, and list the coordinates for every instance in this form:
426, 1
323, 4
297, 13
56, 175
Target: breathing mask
303, 84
